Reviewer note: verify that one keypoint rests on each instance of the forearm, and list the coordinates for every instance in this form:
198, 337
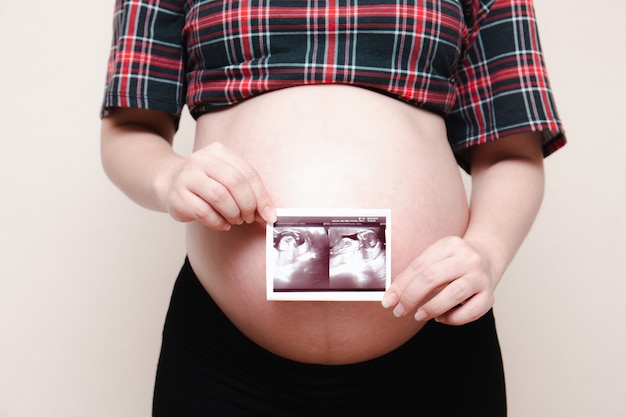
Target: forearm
138, 157
507, 191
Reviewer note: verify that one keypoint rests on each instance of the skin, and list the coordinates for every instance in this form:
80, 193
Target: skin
447, 258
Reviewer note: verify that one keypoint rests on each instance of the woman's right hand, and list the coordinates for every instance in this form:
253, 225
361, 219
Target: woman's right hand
218, 188
214, 185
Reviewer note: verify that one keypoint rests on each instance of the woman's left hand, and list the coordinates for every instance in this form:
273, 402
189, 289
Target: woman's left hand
450, 282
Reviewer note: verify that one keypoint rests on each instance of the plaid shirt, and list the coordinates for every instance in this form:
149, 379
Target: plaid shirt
476, 62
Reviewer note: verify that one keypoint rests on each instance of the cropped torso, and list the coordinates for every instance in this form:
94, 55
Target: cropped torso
326, 146
329, 147
337, 104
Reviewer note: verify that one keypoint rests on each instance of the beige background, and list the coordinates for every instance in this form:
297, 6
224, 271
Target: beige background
85, 275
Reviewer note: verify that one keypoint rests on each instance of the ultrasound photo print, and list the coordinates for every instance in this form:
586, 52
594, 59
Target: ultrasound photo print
328, 254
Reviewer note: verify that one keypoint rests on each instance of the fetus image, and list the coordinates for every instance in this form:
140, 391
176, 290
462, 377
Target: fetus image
301, 258
357, 258
329, 258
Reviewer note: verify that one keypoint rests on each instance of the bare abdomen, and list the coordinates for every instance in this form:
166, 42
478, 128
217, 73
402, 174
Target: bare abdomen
329, 147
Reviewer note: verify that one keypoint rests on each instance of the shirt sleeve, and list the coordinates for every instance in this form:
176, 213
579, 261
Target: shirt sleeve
146, 61
502, 85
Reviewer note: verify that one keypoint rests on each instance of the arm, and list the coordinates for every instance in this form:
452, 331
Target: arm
214, 185
454, 279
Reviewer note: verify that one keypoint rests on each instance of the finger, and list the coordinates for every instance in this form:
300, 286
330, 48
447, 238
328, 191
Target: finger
188, 206
264, 206
425, 284
405, 279
472, 310
227, 189
437, 252
269, 213
244, 183
456, 293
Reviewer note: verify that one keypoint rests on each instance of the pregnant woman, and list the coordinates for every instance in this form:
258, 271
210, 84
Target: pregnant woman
333, 104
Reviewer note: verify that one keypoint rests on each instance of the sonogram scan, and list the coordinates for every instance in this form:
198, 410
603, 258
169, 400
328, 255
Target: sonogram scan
328, 254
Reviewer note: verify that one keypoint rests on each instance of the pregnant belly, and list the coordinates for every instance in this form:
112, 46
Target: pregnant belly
315, 151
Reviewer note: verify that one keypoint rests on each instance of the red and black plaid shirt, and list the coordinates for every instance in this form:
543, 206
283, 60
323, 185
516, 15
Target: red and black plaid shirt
476, 62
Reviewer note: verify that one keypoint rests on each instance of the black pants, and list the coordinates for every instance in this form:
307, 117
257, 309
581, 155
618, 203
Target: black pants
209, 368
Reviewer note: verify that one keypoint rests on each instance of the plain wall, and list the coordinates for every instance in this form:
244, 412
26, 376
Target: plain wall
85, 275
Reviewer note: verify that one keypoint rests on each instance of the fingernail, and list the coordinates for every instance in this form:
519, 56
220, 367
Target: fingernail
420, 315
269, 214
389, 300
399, 310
